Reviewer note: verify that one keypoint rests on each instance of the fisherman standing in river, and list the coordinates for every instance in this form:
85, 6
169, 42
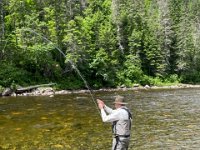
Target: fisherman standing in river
121, 119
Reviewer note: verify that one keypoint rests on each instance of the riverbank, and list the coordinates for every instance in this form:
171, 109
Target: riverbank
179, 86
49, 91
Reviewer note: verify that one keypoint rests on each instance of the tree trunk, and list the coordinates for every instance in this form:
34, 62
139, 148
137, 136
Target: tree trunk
2, 32
30, 88
83, 5
115, 7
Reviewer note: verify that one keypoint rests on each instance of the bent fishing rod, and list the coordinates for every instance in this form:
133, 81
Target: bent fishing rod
72, 64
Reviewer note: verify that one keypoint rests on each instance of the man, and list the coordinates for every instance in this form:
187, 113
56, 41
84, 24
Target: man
121, 122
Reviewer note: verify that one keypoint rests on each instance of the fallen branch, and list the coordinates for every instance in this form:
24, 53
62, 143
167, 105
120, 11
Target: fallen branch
30, 88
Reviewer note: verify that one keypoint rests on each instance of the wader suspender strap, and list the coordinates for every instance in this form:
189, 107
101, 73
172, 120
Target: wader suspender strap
129, 116
117, 141
114, 127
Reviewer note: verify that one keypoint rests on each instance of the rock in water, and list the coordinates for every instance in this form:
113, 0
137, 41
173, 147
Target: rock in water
7, 92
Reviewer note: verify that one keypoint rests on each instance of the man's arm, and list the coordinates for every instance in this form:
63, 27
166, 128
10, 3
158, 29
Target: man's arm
113, 114
111, 117
102, 105
108, 109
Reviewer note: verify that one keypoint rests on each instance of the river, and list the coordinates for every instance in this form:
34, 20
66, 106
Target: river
163, 119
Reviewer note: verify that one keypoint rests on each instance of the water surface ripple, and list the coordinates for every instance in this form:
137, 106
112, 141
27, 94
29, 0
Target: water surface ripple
163, 119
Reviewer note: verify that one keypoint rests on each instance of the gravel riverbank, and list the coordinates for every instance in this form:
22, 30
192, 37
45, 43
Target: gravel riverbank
49, 91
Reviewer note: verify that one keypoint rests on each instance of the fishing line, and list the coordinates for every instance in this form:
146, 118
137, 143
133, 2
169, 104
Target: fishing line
72, 64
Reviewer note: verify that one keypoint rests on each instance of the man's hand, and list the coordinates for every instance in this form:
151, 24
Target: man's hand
100, 103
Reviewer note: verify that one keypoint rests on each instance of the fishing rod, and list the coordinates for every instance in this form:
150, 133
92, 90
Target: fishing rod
72, 64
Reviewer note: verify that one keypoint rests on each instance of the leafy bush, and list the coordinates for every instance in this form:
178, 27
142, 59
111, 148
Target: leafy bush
1, 89
131, 73
148, 80
69, 83
10, 74
191, 77
172, 79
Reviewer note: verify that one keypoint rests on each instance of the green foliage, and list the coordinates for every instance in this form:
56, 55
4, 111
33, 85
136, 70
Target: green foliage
9, 74
111, 43
131, 72
192, 77
172, 79
103, 66
69, 83
1, 89
158, 81
147, 80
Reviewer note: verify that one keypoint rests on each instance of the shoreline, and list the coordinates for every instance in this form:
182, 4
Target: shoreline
179, 86
49, 91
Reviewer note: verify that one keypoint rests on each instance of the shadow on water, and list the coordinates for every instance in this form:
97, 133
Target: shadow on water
163, 119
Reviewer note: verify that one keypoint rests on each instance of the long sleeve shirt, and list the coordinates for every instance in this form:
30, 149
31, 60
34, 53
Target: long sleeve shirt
113, 115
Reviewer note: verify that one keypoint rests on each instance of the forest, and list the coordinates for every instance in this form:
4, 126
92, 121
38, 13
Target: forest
104, 43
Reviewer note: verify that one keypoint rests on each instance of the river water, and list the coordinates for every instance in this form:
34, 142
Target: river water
163, 119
